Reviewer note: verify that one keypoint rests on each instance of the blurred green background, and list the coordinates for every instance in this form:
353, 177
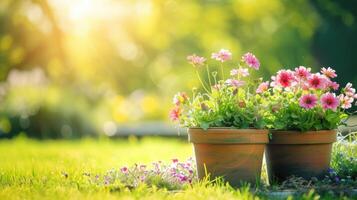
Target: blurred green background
74, 68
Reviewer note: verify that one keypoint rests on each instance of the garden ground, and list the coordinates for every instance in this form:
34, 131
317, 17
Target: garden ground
31, 169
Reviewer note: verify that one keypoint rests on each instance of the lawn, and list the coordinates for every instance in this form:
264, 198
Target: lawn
31, 169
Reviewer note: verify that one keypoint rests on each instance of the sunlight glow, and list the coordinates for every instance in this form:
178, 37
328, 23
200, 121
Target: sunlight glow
81, 10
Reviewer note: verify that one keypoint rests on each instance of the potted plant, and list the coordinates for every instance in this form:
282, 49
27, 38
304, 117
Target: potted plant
226, 121
305, 113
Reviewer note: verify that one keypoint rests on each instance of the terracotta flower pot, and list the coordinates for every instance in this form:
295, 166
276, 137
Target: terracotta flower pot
234, 154
302, 154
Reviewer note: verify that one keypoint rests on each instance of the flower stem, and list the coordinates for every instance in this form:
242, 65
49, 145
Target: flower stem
214, 74
209, 76
199, 78
222, 71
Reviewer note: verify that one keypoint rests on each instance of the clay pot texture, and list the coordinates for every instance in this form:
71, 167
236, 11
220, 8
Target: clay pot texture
234, 154
302, 154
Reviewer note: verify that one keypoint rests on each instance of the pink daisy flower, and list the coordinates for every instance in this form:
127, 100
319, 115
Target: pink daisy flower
308, 101
329, 72
346, 101
242, 72
317, 81
284, 78
234, 72
329, 101
302, 72
196, 60
333, 85
262, 87
349, 90
234, 83
175, 114
251, 60
223, 55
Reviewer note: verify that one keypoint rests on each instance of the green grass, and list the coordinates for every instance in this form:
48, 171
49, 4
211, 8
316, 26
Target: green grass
32, 169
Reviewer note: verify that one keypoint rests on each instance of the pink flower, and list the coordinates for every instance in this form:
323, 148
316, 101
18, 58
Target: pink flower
346, 101
302, 72
333, 85
124, 170
234, 72
175, 114
329, 101
179, 98
308, 101
243, 72
223, 55
234, 83
251, 60
317, 81
262, 87
142, 167
196, 60
349, 90
284, 78
329, 72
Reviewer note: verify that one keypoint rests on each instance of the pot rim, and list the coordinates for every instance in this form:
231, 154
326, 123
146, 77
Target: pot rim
276, 131
228, 136
306, 137
228, 128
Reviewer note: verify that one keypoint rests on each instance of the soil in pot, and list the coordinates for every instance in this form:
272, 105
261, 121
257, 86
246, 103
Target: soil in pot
234, 154
301, 154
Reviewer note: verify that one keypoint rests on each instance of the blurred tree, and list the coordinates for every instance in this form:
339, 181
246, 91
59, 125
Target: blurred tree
125, 58
335, 42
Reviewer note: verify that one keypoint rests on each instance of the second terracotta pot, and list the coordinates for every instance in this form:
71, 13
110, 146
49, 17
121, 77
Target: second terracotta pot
234, 154
302, 154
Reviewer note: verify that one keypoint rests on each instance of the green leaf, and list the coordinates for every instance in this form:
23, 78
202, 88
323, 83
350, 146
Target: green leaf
204, 125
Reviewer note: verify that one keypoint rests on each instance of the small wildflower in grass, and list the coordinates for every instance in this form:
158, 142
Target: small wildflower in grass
174, 176
308, 101
251, 61
222, 56
124, 170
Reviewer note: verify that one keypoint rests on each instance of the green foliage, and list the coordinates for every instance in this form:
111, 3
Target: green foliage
46, 112
287, 114
344, 158
226, 107
231, 102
